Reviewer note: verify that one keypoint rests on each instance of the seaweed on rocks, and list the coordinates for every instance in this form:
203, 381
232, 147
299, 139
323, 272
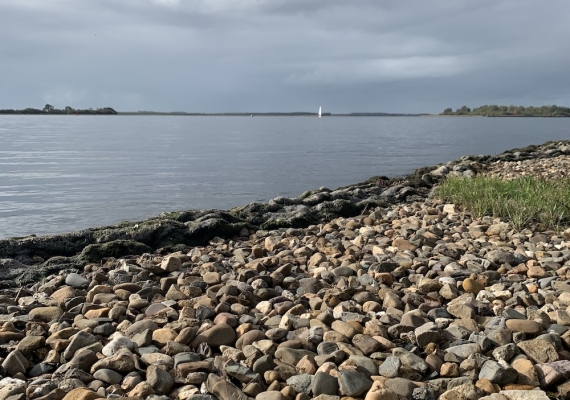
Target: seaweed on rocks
115, 248
14, 273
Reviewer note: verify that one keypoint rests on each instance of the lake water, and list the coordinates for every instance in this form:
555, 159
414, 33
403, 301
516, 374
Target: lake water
63, 173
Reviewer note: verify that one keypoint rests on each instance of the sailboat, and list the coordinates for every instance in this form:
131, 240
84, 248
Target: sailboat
320, 114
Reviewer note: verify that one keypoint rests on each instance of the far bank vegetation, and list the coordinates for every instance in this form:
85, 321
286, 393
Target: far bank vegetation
49, 109
510, 111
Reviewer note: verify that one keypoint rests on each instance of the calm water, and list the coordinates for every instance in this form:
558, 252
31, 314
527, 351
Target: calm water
63, 173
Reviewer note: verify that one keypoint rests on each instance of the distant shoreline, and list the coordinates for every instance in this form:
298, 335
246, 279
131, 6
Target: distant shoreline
509, 111
270, 114
249, 115
109, 111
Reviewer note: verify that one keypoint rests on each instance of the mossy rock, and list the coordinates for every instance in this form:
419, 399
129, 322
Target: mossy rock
201, 232
180, 216
372, 203
293, 216
115, 248
337, 208
296, 221
152, 232
16, 274
47, 246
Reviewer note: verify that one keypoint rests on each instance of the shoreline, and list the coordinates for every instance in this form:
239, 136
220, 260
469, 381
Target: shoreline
35, 256
415, 299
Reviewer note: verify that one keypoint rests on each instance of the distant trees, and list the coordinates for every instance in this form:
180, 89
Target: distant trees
511, 111
49, 109
463, 111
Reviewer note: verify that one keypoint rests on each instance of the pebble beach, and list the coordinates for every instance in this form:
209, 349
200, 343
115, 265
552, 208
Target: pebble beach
410, 297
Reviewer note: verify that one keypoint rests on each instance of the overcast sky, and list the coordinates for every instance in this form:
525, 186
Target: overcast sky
283, 55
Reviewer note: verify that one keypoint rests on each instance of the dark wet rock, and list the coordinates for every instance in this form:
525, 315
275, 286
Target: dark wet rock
353, 383
497, 373
401, 386
324, 384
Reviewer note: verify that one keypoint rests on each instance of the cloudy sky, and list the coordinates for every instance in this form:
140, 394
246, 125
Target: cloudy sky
283, 55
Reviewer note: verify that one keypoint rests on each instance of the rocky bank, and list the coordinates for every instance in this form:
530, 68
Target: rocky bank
374, 291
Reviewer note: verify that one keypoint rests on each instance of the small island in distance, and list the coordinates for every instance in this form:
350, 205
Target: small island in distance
49, 109
510, 111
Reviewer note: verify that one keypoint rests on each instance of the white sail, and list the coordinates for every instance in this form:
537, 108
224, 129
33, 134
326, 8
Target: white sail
320, 112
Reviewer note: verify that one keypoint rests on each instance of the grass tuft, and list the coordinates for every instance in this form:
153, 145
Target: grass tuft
524, 201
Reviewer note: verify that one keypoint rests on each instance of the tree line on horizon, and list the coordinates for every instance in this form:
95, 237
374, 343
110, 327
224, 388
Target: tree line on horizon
49, 109
510, 111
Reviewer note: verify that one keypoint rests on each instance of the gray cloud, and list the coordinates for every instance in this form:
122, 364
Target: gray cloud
289, 55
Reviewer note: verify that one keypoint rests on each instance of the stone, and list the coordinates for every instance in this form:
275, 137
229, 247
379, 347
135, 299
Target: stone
505, 352
449, 370
239, 371
365, 343
122, 361
539, 350
524, 394
460, 310
301, 383
344, 329
46, 314
464, 350
497, 373
15, 363
218, 335
141, 390
270, 395
108, 375
527, 372
12, 389
389, 367
171, 264
500, 257
472, 286
378, 392
29, 344
159, 379
76, 280
552, 373
353, 383
324, 383
116, 344
81, 394
536, 272
426, 334
162, 336
401, 386
79, 340
223, 389
524, 325
410, 360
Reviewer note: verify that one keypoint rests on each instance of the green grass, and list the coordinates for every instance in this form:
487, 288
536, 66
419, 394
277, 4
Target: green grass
525, 201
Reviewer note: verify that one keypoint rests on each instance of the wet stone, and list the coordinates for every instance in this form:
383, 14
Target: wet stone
353, 383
